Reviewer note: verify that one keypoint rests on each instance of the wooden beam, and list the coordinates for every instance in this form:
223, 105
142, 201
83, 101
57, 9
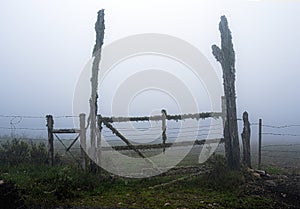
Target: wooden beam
161, 145
169, 117
66, 131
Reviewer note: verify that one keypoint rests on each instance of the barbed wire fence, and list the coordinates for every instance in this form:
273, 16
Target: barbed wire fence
13, 124
279, 145
17, 127
271, 145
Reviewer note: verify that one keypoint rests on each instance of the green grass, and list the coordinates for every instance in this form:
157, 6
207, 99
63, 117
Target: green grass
66, 185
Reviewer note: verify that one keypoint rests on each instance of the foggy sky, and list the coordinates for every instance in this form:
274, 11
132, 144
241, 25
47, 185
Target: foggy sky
44, 46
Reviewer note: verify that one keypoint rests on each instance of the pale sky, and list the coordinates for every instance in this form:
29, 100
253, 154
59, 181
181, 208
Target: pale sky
44, 45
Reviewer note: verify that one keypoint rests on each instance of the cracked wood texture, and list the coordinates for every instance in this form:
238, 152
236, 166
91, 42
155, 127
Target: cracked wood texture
246, 141
226, 56
99, 28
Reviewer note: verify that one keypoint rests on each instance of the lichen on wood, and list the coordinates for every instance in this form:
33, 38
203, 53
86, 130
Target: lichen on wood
99, 28
226, 56
246, 141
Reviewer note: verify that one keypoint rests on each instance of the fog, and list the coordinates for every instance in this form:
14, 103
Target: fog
44, 46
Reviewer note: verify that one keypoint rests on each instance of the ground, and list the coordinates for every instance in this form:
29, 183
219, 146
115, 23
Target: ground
36, 185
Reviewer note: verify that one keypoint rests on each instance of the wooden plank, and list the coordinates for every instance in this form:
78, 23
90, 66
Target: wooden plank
117, 133
169, 117
162, 146
65, 131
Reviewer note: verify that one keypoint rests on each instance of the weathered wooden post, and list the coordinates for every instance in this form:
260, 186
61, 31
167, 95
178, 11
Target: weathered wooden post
259, 142
164, 128
99, 151
82, 140
246, 141
226, 56
228, 146
49, 125
224, 110
99, 27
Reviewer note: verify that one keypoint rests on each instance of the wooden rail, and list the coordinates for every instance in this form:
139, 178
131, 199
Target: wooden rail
162, 146
160, 117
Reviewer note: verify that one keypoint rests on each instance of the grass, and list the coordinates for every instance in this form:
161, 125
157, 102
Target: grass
66, 185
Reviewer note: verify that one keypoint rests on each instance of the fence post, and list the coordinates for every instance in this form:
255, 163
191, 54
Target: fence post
227, 144
246, 141
82, 140
164, 128
99, 151
226, 56
50, 124
224, 111
259, 143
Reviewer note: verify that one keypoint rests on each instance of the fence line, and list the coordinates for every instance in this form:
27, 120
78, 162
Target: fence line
172, 132
37, 117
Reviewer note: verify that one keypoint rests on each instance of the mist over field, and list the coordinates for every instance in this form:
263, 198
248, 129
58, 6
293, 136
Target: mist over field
45, 46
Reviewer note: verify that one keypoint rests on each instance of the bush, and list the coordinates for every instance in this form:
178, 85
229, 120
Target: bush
220, 177
16, 152
38, 153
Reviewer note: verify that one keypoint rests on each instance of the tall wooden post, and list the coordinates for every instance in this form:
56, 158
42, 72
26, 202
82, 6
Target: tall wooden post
164, 128
99, 151
49, 125
228, 146
224, 109
99, 27
259, 143
82, 140
226, 56
246, 141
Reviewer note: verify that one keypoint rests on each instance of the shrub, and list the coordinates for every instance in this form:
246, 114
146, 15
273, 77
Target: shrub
38, 153
14, 152
220, 177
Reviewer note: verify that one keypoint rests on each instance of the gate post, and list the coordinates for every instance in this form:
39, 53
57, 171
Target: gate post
226, 56
49, 125
164, 128
99, 151
82, 140
259, 143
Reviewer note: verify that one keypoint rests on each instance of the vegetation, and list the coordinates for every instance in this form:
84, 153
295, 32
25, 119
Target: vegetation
65, 184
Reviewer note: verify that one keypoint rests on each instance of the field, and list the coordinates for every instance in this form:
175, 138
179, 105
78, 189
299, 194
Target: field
189, 185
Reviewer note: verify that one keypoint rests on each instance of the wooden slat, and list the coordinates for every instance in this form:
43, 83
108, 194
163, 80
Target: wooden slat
65, 131
161, 145
169, 117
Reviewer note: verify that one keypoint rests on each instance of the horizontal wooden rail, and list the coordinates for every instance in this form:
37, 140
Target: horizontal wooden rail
65, 131
161, 145
169, 117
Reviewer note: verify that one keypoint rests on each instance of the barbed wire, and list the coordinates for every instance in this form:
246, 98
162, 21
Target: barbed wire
283, 151
280, 145
281, 134
282, 126
24, 128
36, 117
